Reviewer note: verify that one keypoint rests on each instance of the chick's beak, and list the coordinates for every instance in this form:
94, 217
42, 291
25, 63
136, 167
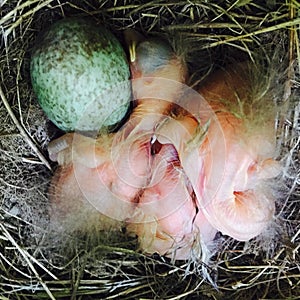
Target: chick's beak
132, 51
132, 39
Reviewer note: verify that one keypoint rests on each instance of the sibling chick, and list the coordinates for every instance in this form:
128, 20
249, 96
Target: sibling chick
157, 75
230, 154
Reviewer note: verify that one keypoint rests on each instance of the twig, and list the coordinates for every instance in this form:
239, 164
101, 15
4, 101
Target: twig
257, 32
24, 16
23, 132
292, 52
12, 13
25, 256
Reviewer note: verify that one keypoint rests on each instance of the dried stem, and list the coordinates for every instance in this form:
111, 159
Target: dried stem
23, 132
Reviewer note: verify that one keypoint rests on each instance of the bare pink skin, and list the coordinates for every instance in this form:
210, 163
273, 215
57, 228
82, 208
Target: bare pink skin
232, 200
80, 163
227, 167
98, 173
163, 219
242, 197
150, 192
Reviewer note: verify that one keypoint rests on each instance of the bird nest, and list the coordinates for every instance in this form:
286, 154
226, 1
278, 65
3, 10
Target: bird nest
38, 263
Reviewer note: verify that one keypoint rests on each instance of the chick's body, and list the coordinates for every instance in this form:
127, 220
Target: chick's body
234, 155
241, 195
157, 75
163, 219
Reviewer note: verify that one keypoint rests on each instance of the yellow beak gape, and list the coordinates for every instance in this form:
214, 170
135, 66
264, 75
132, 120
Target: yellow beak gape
132, 51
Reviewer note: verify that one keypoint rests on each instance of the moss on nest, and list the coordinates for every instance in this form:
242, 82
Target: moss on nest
33, 262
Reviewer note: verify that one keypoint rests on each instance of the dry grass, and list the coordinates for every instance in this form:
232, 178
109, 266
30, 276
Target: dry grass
33, 262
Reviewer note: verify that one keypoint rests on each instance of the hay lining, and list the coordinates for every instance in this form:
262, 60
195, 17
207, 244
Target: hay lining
34, 266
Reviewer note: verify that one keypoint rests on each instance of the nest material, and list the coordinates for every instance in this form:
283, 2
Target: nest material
36, 266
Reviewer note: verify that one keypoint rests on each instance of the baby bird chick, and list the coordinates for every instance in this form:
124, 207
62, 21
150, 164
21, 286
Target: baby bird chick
157, 75
230, 154
100, 175
163, 218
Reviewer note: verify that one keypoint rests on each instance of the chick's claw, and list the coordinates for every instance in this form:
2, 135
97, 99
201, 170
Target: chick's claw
59, 149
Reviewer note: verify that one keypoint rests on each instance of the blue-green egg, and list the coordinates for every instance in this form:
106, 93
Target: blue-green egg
80, 75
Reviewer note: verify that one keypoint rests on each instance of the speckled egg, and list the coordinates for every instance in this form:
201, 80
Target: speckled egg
80, 75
